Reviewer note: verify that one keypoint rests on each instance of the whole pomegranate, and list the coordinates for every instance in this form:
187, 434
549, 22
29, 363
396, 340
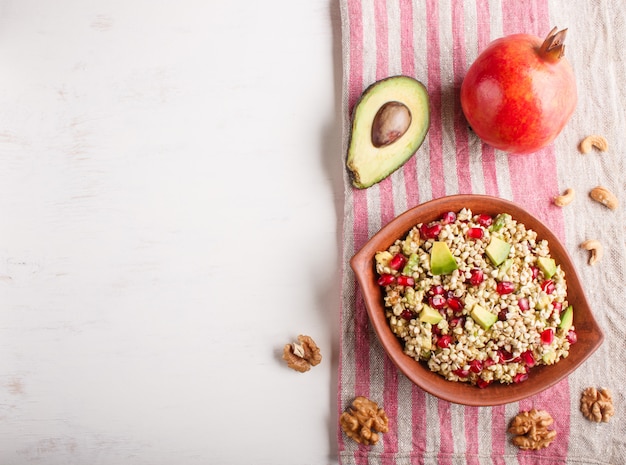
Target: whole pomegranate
520, 92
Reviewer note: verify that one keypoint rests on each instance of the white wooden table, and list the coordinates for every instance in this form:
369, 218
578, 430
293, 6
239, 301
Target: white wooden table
171, 198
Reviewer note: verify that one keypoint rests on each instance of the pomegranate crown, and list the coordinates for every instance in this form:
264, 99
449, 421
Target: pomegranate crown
553, 47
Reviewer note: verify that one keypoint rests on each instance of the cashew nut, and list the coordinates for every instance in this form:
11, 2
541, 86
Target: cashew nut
605, 197
596, 141
565, 199
595, 248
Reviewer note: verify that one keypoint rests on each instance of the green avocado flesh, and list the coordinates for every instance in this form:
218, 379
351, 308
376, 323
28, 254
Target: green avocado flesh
430, 315
370, 163
567, 319
441, 259
547, 266
483, 317
497, 250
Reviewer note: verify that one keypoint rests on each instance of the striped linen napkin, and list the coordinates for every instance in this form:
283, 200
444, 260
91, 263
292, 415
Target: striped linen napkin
435, 42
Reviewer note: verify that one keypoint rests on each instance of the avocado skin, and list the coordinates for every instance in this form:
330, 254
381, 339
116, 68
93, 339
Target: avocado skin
368, 164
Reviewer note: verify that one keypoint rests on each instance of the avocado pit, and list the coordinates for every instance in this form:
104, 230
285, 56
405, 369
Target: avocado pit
390, 123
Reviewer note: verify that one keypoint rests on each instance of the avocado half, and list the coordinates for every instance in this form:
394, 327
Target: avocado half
369, 162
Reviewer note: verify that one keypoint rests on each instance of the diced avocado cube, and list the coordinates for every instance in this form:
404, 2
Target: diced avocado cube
430, 315
427, 342
501, 220
567, 319
504, 268
497, 250
411, 263
441, 259
483, 316
547, 266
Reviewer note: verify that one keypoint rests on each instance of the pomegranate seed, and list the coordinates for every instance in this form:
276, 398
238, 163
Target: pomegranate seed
520, 378
476, 276
455, 304
436, 290
434, 230
430, 231
444, 341
535, 271
571, 337
484, 220
523, 304
435, 330
397, 261
405, 280
448, 217
528, 358
386, 279
548, 286
482, 384
437, 301
489, 362
502, 314
475, 233
505, 287
547, 336
461, 373
407, 314
457, 321
506, 357
476, 366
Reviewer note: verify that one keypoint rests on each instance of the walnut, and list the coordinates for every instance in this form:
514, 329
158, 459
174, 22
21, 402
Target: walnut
531, 429
597, 405
363, 419
302, 355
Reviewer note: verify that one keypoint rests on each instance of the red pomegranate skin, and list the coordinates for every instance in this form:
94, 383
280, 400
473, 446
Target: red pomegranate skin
517, 98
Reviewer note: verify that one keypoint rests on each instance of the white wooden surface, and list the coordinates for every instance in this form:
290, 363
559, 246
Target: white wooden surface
170, 203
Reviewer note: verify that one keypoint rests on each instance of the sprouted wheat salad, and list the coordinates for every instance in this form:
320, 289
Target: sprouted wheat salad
477, 298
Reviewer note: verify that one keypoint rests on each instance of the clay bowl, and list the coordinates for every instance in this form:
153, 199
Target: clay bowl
589, 334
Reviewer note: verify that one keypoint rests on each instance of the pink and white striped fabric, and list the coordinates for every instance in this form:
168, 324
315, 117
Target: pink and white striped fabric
435, 42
